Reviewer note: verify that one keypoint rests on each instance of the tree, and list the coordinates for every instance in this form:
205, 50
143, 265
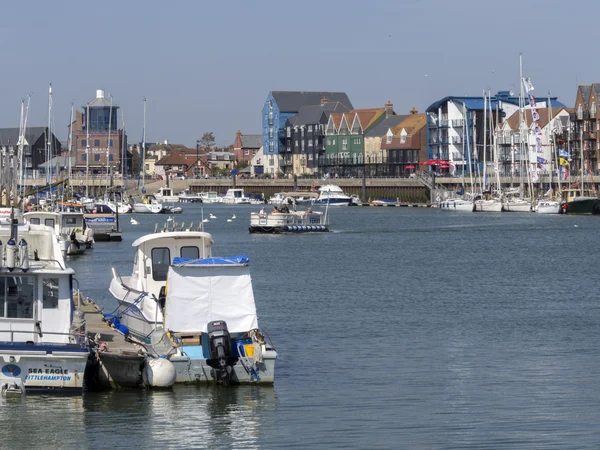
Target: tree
207, 141
135, 161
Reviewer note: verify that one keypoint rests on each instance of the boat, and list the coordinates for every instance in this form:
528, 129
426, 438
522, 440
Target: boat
43, 346
166, 195
487, 203
578, 201
515, 202
148, 205
197, 310
210, 197
299, 197
185, 197
283, 220
104, 222
235, 196
332, 195
384, 202
72, 233
457, 204
546, 206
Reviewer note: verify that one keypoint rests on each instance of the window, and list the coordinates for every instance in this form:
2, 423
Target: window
49, 223
97, 143
71, 220
161, 260
345, 144
310, 142
333, 142
271, 146
328, 141
271, 133
110, 157
388, 139
302, 142
310, 128
84, 142
34, 221
593, 110
50, 293
580, 112
97, 157
84, 157
190, 252
296, 143
246, 152
17, 295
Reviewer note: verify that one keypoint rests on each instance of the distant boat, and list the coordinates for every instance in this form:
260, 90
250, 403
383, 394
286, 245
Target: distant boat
148, 205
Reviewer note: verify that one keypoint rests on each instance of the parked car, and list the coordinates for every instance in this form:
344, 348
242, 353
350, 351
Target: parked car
179, 177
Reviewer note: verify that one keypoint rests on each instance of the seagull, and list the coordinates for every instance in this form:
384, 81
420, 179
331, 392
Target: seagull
205, 221
229, 220
212, 216
170, 219
233, 217
134, 222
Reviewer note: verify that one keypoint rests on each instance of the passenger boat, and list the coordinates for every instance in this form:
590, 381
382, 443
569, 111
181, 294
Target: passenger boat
235, 197
186, 197
40, 349
283, 220
210, 332
166, 195
299, 197
148, 205
73, 234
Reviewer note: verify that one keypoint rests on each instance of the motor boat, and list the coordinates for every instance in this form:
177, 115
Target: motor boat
148, 205
166, 195
332, 195
210, 197
457, 204
235, 197
196, 309
72, 232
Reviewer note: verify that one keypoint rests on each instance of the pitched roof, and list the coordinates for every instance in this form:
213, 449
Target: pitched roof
411, 124
309, 115
61, 161
167, 147
337, 119
10, 136
585, 89
366, 116
382, 127
293, 101
513, 120
179, 157
251, 140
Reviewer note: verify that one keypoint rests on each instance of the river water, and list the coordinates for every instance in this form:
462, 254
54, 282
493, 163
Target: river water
402, 328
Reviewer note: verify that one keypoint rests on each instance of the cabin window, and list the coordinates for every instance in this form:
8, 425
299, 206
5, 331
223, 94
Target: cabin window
17, 295
161, 260
71, 220
190, 252
50, 293
49, 223
34, 221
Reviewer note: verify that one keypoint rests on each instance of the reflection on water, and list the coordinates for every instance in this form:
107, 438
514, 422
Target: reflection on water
184, 417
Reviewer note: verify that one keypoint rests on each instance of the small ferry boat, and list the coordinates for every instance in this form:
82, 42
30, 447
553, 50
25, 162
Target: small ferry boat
186, 197
197, 310
282, 220
148, 205
166, 195
40, 347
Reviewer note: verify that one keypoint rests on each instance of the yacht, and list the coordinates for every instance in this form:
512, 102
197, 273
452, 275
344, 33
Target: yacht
235, 197
197, 310
70, 228
43, 343
148, 205
457, 204
166, 195
332, 195
210, 197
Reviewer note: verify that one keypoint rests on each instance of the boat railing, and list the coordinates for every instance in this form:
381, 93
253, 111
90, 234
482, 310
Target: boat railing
80, 338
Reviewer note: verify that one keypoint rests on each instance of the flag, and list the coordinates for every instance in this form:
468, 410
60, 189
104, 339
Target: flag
527, 84
541, 160
563, 162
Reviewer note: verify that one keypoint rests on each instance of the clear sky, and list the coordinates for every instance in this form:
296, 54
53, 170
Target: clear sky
209, 65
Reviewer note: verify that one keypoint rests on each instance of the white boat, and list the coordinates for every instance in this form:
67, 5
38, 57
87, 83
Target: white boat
486, 203
40, 349
236, 197
210, 197
298, 197
122, 207
148, 205
457, 204
166, 195
210, 332
547, 206
285, 221
332, 195
71, 231
516, 205
185, 197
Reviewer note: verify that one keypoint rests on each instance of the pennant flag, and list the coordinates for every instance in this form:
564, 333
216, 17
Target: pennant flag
527, 84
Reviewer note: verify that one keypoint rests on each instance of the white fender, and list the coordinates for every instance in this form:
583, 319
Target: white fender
159, 373
11, 253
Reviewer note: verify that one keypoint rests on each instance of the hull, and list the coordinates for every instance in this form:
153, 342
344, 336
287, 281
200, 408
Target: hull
143, 208
548, 208
517, 207
44, 367
333, 202
168, 198
488, 206
265, 229
457, 205
584, 206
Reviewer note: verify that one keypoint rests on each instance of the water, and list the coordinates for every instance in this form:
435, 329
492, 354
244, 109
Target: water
402, 328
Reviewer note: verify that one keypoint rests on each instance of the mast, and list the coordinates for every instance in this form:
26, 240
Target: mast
553, 145
496, 166
49, 139
466, 129
87, 151
143, 168
108, 146
581, 156
69, 150
484, 180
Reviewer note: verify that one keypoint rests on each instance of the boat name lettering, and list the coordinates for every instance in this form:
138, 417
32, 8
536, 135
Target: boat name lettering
48, 377
49, 371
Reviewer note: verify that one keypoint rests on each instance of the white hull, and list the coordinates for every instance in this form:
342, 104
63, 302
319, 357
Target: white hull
147, 208
168, 198
488, 206
457, 205
517, 206
548, 208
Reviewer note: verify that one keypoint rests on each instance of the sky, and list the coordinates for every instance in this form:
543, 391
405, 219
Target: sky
209, 65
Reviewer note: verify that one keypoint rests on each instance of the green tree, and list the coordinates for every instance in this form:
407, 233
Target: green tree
135, 161
207, 141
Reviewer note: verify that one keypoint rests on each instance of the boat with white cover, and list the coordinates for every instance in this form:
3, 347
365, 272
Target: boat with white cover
197, 310
42, 348
210, 197
547, 206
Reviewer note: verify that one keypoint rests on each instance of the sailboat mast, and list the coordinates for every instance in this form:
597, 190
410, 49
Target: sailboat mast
70, 149
484, 180
143, 168
467, 149
87, 151
108, 145
496, 165
49, 140
581, 156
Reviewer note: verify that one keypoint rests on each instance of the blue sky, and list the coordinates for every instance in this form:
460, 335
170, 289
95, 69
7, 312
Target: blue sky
208, 66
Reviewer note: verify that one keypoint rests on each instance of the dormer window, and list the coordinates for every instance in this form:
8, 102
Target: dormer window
593, 110
579, 112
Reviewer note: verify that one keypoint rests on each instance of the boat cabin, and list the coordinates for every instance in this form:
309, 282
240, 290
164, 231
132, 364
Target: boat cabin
62, 223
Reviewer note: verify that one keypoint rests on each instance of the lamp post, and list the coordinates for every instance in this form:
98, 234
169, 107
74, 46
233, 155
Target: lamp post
197, 157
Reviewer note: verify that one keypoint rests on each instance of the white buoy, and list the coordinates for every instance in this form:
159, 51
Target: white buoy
159, 373
11, 253
23, 255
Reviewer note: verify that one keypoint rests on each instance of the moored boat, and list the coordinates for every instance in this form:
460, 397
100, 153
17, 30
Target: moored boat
148, 205
283, 220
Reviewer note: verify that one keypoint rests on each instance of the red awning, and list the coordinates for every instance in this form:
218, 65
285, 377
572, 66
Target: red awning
409, 167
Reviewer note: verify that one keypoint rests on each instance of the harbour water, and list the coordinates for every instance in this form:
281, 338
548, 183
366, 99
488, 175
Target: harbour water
401, 328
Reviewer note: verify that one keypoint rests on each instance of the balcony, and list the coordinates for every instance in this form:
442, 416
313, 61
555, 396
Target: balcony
444, 123
457, 123
432, 122
456, 140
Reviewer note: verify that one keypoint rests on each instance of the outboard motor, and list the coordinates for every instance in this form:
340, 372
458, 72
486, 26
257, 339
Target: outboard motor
221, 356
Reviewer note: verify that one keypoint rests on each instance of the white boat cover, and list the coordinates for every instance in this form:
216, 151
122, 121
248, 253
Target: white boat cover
199, 294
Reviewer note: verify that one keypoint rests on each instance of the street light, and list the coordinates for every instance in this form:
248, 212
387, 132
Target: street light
197, 156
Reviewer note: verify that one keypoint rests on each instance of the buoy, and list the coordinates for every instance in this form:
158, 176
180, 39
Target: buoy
11, 250
1, 260
23, 255
159, 373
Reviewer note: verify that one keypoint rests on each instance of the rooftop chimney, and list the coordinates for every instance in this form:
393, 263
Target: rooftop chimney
414, 110
99, 93
323, 100
389, 109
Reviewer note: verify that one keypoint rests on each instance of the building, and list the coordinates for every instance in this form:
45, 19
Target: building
99, 145
278, 108
584, 137
179, 162
456, 128
34, 147
375, 156
246, 146
305, 137
344, 143
220, 161
256, 164
404, 146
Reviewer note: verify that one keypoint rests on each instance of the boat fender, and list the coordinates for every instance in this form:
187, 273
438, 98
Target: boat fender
23, 255
159, 373
11, 250
1, 259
